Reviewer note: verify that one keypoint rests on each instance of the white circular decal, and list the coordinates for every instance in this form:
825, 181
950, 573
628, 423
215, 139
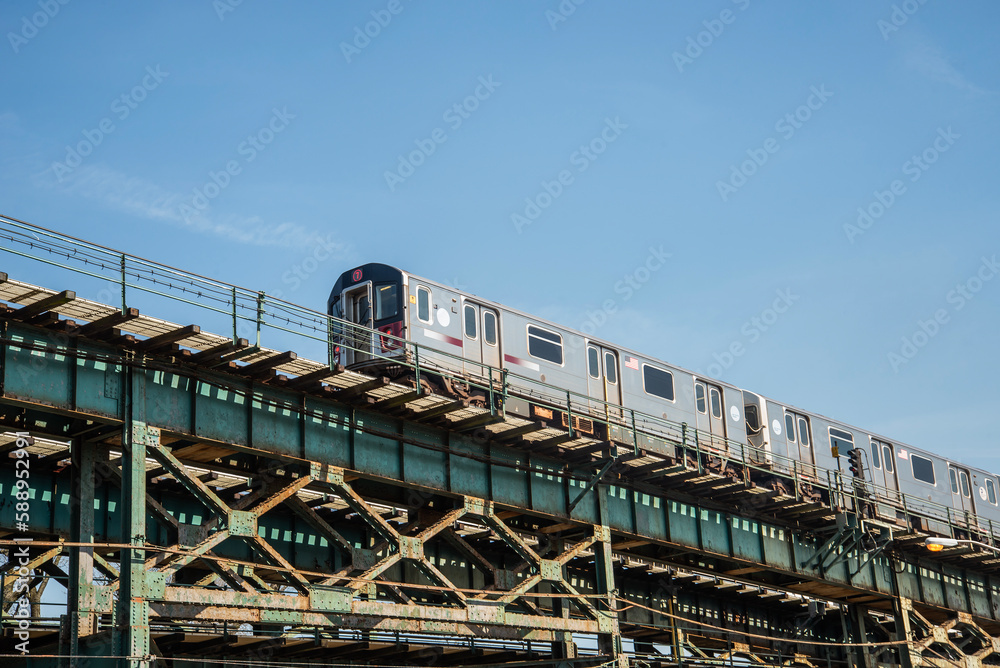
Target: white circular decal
776, 427
734, 413
443, 317
982, 493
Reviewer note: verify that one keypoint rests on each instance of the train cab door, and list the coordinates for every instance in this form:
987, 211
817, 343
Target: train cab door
800, 446
961, 488
711, 419
480, 338
604, 382
357, 309
883, 464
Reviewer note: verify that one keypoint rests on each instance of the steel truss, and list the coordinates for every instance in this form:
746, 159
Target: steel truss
206, 516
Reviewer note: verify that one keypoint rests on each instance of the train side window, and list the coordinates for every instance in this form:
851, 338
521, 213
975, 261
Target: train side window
876, 460
887, 458
658, 382
424, 305
842, 440
593, 362
610, 368
954, 480
545, 345
716, 401
470, 322
803, 432
699, 397
789, 427
490, 328
991, 491
923, 469
964, 479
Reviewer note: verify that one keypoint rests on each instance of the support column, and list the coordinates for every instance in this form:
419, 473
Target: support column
609, 640
82, 617
862, 655
901, 609
131, 633
676, 633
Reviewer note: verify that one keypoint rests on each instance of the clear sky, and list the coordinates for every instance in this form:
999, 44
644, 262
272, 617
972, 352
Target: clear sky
778, 194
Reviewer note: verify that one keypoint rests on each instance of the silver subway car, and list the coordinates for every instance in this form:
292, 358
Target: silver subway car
468, 336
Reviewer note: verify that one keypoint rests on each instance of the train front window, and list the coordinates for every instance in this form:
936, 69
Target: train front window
337, 330
386, 301
362, 311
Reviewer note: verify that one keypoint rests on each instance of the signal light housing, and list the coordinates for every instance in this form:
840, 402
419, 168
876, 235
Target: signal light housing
856, 466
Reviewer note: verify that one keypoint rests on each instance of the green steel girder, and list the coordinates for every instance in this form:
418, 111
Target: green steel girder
654, 592
216, 408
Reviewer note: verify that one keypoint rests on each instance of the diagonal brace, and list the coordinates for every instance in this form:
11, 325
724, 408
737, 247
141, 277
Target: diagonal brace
590, 485
360, 506
191, 483
281, 495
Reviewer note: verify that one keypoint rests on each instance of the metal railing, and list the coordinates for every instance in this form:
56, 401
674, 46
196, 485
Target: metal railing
260, 313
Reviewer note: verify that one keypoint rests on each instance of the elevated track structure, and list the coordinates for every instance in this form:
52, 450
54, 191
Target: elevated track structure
175, 497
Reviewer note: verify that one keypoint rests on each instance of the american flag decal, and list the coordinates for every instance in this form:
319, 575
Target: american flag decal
632, 363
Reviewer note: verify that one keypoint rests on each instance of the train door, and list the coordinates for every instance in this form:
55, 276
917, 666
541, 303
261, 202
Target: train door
711, 420
359, 340
800, 444
755, 427
481, 338
883, 464
961, 489
603, 382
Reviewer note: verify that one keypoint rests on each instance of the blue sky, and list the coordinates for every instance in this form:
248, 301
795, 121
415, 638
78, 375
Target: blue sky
775, 193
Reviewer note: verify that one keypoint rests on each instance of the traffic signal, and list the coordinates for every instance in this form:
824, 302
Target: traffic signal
857, 468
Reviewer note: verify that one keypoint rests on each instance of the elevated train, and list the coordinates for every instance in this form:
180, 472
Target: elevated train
472, 334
